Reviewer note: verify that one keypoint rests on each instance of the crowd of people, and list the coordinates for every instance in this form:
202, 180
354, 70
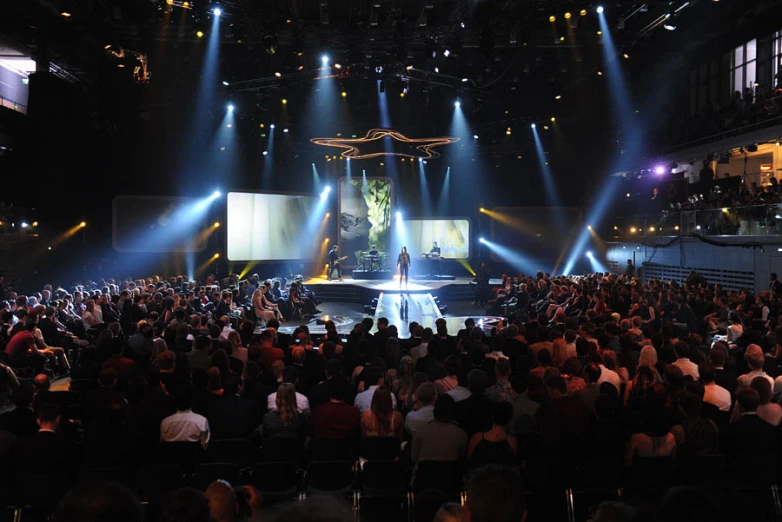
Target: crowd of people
585, 374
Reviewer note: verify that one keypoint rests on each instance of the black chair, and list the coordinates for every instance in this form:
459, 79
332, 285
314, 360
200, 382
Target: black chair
331, 478
205, 474
39, 492
599, 479
443, 475
703, 471
184, 454
113, 474
241, 452
333, 449
82, 386
383, 480
153, 481
650, 476
549, 481
275, 480
379, 448
282, 449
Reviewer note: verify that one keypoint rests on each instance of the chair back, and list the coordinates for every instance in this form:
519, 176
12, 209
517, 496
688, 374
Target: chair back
153, 481
275, 480
382, 479
330, 477
282, 449
379, 448
333, 449
242, 452
184, 454
205, 474
443, 475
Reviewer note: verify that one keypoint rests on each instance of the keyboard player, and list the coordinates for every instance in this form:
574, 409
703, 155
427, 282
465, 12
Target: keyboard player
434, 259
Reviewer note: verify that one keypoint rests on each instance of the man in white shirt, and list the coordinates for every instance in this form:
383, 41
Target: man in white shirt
755, 362
713, 392
184, 425
290, 375
426, 396
373, 377
611, 376
683, 361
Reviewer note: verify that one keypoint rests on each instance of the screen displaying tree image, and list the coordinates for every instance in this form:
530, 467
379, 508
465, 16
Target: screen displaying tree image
365, 216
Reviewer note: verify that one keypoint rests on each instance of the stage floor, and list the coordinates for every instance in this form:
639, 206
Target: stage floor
415, 285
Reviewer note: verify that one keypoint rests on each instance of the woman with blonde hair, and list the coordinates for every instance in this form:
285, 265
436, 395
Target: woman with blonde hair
261, 312
559, 352
237, 350
285, 421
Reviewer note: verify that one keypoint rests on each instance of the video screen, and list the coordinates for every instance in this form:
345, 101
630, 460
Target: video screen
452, 236
270, 227
365, 216
158, 224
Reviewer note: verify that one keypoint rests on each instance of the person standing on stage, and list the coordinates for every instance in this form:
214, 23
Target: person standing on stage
403, 262
373, 258
334, 262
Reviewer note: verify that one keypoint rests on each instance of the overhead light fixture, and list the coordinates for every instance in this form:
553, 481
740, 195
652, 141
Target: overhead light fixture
344, 94
217, 11
599, 9
446, 53
337, 66
626, 56
558, 97
533, 125
278, 74
583, 12
465, 80
200, 34
324, 59
552, 19
284, 101
225, 83
457, 104
599, 33
65, 14
567, 16
669, 27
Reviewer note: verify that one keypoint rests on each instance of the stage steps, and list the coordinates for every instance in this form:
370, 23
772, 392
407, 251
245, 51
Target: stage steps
346, 293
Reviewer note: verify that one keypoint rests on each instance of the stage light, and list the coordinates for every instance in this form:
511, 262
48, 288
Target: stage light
553, 119
651, 229
230, 107
186, 5
215, 194
217, 254
272, 126
50, 248
328, 214
200, 34
265, 152
402, 94
589, 227
475, 136
465, 80
217, 11
633, 230
324, 59
676, 227
558, 97
278, 74
437, 69
669, 27
398, 215
446, 53
589, 254
508, 131
533, 125
724, 210
552, 19
598, 34
599, 9
583, 12
225, 83
229, 125
337, 66
567, 16
325, 193
457, 104
483, 210
344, 94
217, 224
659, 170
616, 227
83, 224
65, 14
284, 101
284, 130
481, 240
626, 56
698, 227
24, 225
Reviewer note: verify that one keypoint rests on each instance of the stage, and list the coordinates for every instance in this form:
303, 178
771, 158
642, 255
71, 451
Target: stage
343, 303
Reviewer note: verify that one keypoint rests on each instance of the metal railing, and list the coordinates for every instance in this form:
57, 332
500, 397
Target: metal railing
753, 220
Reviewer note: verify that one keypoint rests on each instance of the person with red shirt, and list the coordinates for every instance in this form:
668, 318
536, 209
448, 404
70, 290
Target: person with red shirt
269, 353
22, 345
336, 419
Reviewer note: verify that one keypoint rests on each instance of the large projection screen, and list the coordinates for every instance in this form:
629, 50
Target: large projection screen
365, 216
158, 224
269, 227
452, 236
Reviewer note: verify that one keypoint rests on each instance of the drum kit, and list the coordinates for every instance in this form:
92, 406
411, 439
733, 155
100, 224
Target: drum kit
374, 263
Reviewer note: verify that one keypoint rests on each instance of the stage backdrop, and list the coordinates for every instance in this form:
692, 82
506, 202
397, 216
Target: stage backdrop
365, 216
452, 235
269, 227
158, 224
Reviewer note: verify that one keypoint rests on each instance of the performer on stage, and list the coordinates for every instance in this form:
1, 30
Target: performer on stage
373, 259
403, 262
434, 260
334, 261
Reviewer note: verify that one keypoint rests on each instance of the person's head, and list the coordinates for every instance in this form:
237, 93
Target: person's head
755, 361
592, 372
107, 378
717, 358
648, 357
748, 398
222, 501
167, 361
682, 349
286, 402
316, 508
495, 494
426, 394
477, 382
707, 373
404, 249
338, 386
613, 512
502, 368
382, 406
185, 505
101, 501
373, 376
48, 417
763, 387
502, 413
41, 382
450, 512
444, 408
556, 386
690, 403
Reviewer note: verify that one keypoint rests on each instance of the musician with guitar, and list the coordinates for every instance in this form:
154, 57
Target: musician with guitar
334, 261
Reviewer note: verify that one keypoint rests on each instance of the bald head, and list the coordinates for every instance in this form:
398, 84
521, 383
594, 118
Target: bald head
41, 382
222, 501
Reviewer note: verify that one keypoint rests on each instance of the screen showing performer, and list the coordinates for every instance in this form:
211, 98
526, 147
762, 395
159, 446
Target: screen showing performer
451, 235
269, 227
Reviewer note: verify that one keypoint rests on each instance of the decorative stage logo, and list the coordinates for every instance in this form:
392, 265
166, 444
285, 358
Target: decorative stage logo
386, 142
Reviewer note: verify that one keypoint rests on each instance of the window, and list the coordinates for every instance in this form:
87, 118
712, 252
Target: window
776, 59
743, 66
